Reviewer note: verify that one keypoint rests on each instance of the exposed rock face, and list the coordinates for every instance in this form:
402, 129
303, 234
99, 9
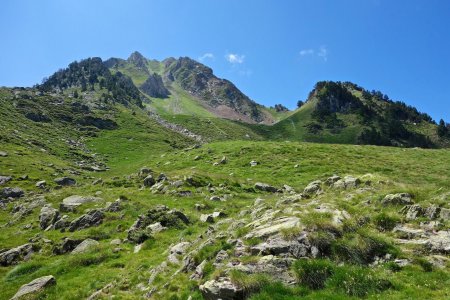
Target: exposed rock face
48, 216
15, 255
223, 289
84, 246
41, 184
265, 187
9, 192
92, 218
34, 286
138, 60
72, 202
398, 199
220, 95
178, 249
154, 87
65, 181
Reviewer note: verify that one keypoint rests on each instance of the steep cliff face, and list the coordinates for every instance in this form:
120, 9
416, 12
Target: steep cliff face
154, 87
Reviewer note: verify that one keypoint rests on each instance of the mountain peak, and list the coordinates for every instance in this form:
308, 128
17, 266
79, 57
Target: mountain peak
138, 60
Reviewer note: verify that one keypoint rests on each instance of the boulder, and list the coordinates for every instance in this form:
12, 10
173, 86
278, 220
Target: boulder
144, 171
34, 286
14, 255
198, 274
414, 211
313, 188
439, 242
41, 184
253, 163
66, 246
62, 223
406, 232
5, 179
48, 216
149, 181
273, 227
84, 246
265, 187
9, 192
432, 212
206, 218
155, 227
398, 199
113, 206
221, 288
331, 180
92, 218
444, 214
215, 198
65, 181
71, 203
178, 249
3, 154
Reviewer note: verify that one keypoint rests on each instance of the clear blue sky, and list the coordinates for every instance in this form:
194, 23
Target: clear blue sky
274, 51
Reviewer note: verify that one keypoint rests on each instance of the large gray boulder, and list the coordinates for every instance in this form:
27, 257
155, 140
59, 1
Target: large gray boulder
273, 227
48, 216
14, 255
265, 187
222, 288
9, 192
85, 246
92, 218
65, 181
313, 188
34, 286
66, 246
70, 203
398, 199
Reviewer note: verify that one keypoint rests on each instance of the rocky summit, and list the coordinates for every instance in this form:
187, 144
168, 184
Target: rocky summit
145, 179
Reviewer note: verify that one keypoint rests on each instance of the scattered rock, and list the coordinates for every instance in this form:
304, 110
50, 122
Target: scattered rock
398, 199
62, 223
265, 187
273, 227
48, 216
84, 246
313, 188
406, 232
215, 198
222, 288
9, 192
4, 179
331, 180
66, 246
115, 242
156, 227
439, 242
113, 206
198, 274
347, 182
34, 286
444, 214
414, 211
206, 218
432, 212
14, 255
178, 249
149, 181
65, 181
41, 184
223, 160
70, 203
92, 218
144, 171
253, 163
3, 154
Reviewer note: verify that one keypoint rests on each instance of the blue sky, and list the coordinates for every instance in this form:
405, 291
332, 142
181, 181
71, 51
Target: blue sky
274, 51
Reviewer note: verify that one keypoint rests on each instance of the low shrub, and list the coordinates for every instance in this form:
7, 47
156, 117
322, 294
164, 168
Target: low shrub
313, 273
385, 222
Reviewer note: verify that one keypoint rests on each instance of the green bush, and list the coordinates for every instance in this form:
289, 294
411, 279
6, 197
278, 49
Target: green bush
23, 269
313, 273
357, 281
249, 283
361, 248
385, 222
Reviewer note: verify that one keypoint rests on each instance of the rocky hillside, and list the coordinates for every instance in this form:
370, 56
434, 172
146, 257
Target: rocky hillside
343, 112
